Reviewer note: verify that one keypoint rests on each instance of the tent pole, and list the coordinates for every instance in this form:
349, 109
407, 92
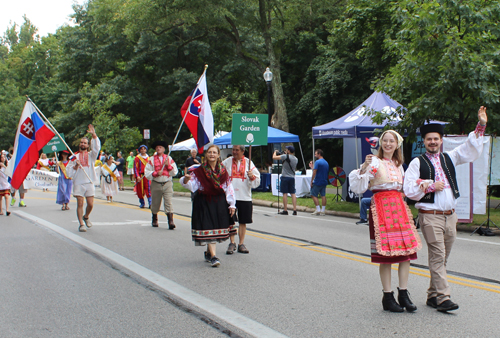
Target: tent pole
301, 153
357, 160
313, 150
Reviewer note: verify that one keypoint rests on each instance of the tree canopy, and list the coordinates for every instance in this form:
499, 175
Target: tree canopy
129, 65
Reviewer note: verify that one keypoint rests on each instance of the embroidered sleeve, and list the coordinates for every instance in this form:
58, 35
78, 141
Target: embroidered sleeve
193, 184
230, 198
480, 129
430, 188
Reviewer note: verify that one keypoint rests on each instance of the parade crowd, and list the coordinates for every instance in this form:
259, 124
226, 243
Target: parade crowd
222, 197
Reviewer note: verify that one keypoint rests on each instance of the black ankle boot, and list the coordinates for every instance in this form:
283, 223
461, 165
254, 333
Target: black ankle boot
405, 301
389, 303
154, 221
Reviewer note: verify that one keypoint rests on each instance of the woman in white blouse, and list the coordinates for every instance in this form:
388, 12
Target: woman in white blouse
393, 236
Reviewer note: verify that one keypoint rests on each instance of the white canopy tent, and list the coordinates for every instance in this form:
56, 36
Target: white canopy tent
191, 144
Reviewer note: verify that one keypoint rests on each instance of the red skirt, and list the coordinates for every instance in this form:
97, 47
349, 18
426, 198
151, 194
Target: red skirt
393, 236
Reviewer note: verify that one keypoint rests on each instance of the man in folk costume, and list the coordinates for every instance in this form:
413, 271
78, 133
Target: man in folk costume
244, 177
82, 171
161, 169
431, 180
142, 185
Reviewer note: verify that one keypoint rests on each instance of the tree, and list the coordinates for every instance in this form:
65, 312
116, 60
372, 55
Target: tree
448, 59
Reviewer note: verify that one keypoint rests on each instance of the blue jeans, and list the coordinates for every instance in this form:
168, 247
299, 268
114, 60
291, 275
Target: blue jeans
365, 204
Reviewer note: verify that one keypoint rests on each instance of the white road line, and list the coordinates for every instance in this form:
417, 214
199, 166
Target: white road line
478, 241
243, 323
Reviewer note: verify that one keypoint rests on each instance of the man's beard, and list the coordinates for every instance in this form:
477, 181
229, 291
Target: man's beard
432, 151
83, 148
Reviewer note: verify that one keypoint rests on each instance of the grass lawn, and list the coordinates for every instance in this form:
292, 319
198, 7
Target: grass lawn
337, 206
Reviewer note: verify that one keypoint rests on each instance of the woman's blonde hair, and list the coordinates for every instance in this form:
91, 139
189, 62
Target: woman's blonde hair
397, 157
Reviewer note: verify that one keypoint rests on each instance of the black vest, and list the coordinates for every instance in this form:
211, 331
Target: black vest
427, 172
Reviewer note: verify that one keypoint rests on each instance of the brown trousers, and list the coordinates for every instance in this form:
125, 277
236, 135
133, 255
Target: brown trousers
159, 191
439, 232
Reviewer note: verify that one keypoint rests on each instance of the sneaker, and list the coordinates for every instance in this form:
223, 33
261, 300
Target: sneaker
87, 222
316, 213
284, 212
22, 204
447, 305
231, 249
207, 256
215, 262
12, 202
322, 213
295, 213
242, 249
82, 228
362, 222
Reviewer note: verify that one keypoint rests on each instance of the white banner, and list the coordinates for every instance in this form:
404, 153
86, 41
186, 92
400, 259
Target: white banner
471, 182
495, 162
41, 179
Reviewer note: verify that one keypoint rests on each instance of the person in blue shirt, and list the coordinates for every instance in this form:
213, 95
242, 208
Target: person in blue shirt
319, 182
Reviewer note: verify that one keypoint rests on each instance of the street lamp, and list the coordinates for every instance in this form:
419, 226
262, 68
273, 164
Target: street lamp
268, 77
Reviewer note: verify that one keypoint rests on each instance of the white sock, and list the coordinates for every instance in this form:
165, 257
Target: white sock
323, 208
317, 208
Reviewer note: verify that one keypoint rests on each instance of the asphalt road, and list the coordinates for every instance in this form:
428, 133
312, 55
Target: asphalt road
304, 277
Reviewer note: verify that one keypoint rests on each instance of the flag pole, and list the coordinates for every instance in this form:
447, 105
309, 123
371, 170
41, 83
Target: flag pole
184, 118
57, 133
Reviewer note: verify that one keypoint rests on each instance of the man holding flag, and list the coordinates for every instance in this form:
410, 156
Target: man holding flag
81, 170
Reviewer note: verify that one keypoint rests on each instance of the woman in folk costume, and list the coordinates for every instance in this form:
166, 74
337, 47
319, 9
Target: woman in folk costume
393, 236
213, 204
109, 179
65, 183
4, 184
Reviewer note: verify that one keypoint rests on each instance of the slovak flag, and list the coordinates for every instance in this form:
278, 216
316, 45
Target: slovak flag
197, 114
32, 135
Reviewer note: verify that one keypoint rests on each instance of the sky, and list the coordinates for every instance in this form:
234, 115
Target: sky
46, 15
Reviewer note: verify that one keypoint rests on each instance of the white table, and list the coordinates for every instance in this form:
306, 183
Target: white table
302, 185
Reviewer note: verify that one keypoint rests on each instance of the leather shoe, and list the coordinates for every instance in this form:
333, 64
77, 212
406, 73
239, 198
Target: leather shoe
447, 305
432, 302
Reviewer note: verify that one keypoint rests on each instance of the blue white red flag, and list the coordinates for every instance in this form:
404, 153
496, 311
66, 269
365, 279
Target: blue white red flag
198, 116
32, 135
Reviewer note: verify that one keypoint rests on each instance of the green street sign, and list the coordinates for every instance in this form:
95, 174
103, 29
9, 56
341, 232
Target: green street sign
54, 145
249, 129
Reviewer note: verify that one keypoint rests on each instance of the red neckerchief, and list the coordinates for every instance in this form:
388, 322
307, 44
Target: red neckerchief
238, 173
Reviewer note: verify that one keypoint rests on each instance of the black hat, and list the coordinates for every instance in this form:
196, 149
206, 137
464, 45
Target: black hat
291, 148
159, 143
432, 128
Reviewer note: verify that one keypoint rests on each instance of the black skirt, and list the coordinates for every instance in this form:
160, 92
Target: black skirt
210, 221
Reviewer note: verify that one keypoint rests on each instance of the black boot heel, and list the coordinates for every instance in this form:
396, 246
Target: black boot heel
405, 301
389, 303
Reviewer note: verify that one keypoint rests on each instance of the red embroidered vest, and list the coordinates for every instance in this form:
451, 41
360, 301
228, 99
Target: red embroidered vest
159, 164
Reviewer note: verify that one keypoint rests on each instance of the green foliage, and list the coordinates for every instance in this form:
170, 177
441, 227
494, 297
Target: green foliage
223, 111
447, 61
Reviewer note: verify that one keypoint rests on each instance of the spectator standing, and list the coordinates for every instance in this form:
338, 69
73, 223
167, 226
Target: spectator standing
287, 185
319, 181
193, 159
130, 166
365, 205
120, 164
